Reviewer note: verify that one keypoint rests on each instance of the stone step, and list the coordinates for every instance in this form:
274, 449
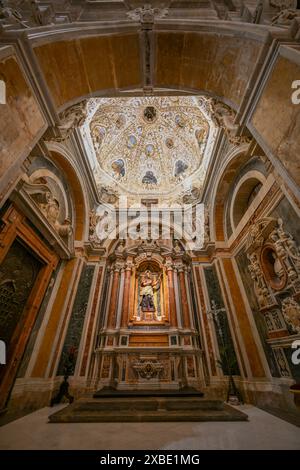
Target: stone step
147, 409
109, 392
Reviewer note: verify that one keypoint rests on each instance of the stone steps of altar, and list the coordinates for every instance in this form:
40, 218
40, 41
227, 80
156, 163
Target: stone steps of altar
146, 409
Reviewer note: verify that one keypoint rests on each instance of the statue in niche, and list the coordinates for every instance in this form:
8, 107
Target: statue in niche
278, 268
150, 283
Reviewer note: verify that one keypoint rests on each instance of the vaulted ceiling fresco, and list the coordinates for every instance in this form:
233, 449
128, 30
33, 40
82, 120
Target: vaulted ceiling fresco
149, 146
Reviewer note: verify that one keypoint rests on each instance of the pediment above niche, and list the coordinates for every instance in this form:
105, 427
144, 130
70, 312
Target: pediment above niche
49, 205
43, 199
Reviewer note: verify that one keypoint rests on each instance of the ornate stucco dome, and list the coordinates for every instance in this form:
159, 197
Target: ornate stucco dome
149, 146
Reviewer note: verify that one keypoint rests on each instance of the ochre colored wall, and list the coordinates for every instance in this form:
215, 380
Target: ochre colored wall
217, 64
78, 67
20, 118
277, 119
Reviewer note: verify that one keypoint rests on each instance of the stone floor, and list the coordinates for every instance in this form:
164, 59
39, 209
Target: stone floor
262, 431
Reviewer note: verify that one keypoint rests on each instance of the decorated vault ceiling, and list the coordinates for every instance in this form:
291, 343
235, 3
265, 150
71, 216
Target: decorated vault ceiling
149, 146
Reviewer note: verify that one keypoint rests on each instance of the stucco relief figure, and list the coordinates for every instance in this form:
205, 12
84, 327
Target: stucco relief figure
278, 268
11, 15
51, 211
287, 249
285, 17
70, 119
49, 205
283, 4
260, 287
104, 226
150, 283
224, 116
291, 313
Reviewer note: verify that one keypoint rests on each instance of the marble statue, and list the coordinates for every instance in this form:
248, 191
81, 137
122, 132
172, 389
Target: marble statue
149, 284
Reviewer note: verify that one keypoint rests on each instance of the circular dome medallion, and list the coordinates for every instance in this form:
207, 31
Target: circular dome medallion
131, 141
149, 150
102, 131
120, 122
180, 121
150, 114
169, 143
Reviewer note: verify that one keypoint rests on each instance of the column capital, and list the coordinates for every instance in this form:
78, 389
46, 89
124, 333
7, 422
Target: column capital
169, 266
180, 268
118, 267
129, 266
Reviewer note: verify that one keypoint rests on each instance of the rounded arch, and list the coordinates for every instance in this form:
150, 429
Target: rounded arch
62, 159
182, 59
176, 233
155, 264
245, 192
227, 175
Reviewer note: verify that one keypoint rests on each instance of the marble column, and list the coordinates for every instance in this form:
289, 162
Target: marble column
113, 298
120, 294
125, 310
184, 299
187, 287
172, 302
108, 296
177, 298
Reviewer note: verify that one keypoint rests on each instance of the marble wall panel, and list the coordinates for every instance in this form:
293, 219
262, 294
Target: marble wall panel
73, 336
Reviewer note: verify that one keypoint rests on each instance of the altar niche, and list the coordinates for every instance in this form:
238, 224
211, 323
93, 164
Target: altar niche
149, 294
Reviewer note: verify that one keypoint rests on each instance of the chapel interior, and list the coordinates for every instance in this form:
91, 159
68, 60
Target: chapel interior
149, 203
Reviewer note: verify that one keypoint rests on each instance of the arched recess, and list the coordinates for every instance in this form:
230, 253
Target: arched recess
244, 194
219, 201
77, 187
174, 232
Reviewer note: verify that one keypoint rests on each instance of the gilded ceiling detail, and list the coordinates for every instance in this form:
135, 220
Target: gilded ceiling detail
149, 145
